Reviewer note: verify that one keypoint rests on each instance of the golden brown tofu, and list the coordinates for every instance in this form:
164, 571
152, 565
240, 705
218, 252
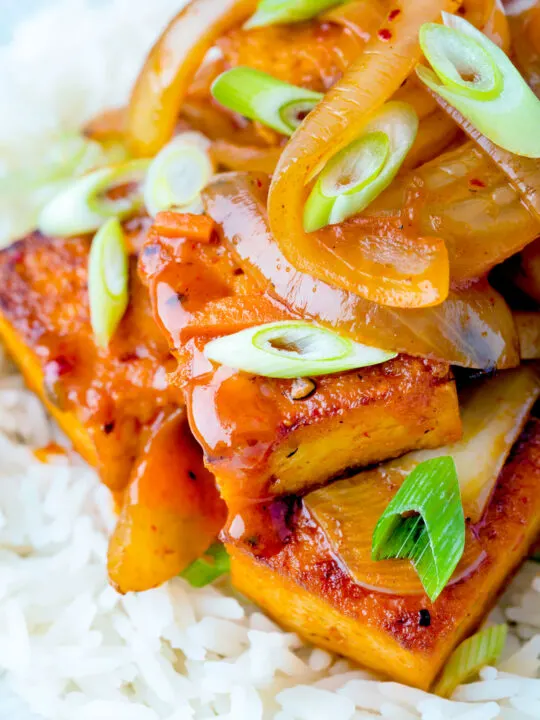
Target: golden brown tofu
266, 436
258, 439
406, 637
101, 398
116, 406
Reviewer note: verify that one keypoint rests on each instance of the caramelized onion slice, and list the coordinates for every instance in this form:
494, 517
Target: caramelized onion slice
473, 327
493, 413
348, 511
369, 82
522, 172
170, 67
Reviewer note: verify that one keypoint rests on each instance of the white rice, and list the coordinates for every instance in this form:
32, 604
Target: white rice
70, 647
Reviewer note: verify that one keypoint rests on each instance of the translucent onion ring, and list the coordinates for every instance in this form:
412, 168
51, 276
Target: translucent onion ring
473, 328
171, 66
333, 125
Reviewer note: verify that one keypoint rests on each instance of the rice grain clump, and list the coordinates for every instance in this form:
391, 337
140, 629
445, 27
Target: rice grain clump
71, 648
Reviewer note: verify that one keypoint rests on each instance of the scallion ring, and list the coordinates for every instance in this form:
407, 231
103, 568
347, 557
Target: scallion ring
84, 205
434, 537
478, 79
277, 12
470, 657
108, 281
292, 350
208, 568
178, 174
262, 97
354, 177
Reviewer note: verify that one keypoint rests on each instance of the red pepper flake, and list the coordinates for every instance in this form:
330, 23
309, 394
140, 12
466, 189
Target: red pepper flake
393, 14
385, 34
475, 182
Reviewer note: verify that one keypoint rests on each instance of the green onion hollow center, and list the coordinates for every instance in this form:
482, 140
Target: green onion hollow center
425, 523
292, 350
88, 201
178, 174
261, 97
472, 75
355, 167
460, 62
359, 173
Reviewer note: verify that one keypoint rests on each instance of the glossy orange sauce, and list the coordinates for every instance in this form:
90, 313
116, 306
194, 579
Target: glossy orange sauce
114, 393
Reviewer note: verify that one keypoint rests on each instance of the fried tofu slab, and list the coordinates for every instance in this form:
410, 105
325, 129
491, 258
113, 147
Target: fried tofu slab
264, 436
115, 405
307, 589
103, 399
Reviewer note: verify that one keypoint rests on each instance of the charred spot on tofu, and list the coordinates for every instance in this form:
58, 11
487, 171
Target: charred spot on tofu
306, 589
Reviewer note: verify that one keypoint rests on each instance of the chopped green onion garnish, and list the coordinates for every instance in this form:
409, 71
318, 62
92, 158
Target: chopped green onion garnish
434, 537
178, 174
292, 350
108, 281
470, 657
212, 565
83, 206
477, 78
259, 96
277, 12
354, 177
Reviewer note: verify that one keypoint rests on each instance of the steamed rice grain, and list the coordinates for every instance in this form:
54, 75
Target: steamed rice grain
70, 647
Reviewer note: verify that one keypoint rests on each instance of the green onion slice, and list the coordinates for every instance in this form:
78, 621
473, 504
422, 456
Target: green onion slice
470, 657
178, 174
359, 173
108, 281
292, 350
477, 78
212, 565
277, 12
259, 96
434, 537
83, 206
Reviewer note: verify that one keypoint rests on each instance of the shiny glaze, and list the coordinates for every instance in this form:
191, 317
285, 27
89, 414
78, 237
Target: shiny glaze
171, 511
509, 526
244, 422
114, 392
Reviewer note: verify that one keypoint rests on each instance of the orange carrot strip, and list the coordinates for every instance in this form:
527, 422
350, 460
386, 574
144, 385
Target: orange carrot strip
175, 225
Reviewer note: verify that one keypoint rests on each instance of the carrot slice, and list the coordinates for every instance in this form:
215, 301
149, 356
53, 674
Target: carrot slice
170, 67
175, 225
387, 61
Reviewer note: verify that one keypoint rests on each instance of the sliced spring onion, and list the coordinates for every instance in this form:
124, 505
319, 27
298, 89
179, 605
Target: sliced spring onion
259, 96
108, 281
434, 538
83, 206
26, 190
292, 350
354, 177
178, 174
277, 12
212, 565
470, 657
477, 78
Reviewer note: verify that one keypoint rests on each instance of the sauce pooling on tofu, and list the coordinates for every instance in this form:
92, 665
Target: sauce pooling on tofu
113, 393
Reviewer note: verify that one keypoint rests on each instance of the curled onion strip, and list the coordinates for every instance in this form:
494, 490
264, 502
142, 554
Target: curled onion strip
329, 128
171, 66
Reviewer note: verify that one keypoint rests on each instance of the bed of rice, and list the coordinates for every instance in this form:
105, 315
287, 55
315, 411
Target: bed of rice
70, 647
